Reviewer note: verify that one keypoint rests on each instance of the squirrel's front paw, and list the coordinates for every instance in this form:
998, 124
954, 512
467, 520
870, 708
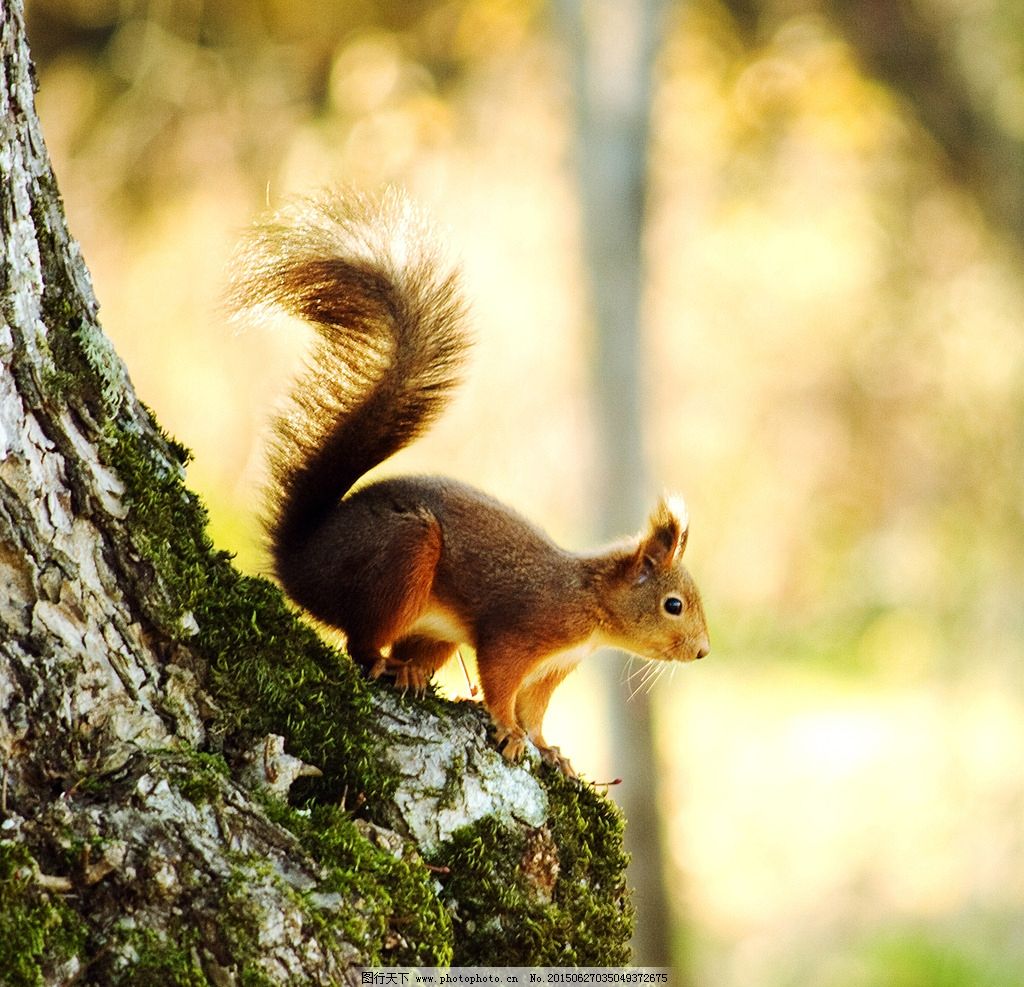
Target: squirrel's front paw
511, 741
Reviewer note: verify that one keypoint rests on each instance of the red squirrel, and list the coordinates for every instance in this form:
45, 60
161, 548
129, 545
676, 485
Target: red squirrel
411, 567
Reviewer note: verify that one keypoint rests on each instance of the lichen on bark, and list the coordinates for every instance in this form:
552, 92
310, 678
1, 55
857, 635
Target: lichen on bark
160, 712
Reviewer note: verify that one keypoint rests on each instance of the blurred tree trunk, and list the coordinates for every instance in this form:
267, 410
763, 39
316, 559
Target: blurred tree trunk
612, 46
147, 690
897, 43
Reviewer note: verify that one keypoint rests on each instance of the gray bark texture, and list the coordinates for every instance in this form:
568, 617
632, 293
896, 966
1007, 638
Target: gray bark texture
194, 788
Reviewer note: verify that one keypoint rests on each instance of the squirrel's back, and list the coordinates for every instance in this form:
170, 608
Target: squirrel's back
367, 274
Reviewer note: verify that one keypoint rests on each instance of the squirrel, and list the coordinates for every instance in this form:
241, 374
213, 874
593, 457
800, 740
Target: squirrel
409, 568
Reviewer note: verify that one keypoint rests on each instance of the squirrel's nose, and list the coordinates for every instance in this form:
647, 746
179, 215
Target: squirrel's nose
704, 649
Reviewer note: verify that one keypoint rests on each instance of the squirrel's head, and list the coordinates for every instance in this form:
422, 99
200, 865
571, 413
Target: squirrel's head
654, 606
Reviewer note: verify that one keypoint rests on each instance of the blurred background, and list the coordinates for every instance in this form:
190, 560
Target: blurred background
813, 223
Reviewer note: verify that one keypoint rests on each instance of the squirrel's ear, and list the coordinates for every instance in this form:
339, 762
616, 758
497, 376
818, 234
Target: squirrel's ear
665, 539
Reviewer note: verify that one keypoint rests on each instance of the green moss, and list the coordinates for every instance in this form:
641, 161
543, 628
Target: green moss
588, 828
502, 912
447, 797
366, 898
148, 957
240, 918
38, 931
83, 368
171, 957
159, 961
201, 779
268, 671
401, 921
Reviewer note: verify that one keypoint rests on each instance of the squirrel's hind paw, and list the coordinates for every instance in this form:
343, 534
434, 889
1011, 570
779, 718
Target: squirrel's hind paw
408, 676
552, 755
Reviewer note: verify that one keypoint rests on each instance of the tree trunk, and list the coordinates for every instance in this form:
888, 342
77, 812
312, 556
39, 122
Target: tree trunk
898, 43
148, 693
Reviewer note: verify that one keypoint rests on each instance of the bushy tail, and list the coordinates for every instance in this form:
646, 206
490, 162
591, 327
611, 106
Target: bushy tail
367, 274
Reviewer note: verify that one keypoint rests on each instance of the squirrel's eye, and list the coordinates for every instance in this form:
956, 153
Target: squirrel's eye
673, 605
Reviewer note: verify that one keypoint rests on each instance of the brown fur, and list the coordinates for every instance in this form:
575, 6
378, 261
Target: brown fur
411, 567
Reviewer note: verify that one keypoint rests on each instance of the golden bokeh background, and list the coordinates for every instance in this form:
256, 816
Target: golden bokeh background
833, 376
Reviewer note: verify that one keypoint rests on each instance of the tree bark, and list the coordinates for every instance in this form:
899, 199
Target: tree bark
157, 707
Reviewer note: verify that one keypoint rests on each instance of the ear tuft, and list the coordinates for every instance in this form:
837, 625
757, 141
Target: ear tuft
674, 505
665, 538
